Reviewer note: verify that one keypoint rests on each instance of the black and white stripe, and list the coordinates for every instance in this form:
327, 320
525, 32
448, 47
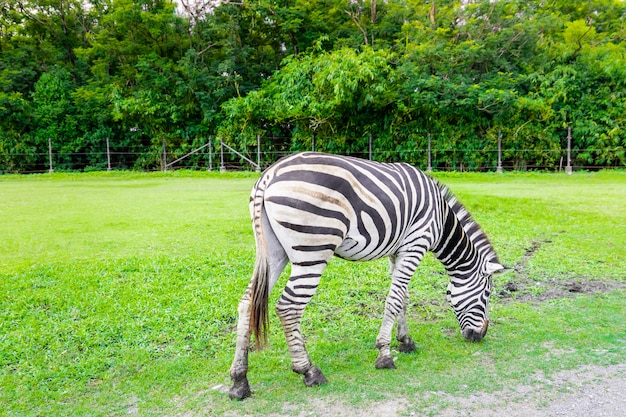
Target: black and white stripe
309, 207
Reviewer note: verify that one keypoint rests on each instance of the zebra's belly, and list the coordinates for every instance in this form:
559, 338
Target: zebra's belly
358, 249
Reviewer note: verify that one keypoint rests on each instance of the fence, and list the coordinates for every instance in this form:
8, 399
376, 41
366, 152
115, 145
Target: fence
430, 157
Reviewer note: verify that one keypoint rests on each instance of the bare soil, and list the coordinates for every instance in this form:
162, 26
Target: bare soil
590, 391
521, 288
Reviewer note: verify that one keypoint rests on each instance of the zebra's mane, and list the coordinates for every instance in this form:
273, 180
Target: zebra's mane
471, 227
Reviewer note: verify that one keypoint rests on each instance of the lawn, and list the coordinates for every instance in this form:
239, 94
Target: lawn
119, 291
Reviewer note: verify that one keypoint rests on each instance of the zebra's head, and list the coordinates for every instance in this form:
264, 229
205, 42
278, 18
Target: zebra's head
469, 298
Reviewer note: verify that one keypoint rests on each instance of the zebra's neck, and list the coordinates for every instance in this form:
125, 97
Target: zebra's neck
462, 244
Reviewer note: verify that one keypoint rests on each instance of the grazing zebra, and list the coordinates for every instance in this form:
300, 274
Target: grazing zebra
308, 207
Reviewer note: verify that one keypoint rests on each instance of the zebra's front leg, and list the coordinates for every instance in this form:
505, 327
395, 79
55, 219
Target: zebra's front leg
403, 267
407, 345
290, 308
383, 341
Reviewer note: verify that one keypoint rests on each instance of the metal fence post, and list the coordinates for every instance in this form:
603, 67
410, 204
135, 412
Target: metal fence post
51, 170
499, 168
210, 154
370, 147
164, 155
222, 167
313, 142
430, 162
108, 156
568, 167
258, 153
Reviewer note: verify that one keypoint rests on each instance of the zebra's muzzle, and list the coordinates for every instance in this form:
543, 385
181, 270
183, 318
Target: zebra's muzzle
474, 335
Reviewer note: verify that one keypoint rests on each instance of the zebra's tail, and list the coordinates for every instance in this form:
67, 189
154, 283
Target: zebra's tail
259, 317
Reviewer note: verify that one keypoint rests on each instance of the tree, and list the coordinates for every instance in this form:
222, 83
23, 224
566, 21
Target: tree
53, 115
338, 96
143, 73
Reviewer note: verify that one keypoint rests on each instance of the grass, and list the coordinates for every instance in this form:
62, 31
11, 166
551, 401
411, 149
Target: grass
118, 295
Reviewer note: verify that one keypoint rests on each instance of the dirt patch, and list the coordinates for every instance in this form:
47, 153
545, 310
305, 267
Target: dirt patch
526, 290
529, 252
583, 392
521, 288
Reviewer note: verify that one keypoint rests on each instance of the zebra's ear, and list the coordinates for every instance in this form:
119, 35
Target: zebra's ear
493, 267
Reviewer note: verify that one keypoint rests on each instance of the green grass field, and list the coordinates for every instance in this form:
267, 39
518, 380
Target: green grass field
119, 292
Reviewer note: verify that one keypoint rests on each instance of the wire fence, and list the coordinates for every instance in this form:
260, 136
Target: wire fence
215, 155
244, 161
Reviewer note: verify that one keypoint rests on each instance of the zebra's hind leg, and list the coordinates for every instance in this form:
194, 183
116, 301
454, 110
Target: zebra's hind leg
277, 259
407, 345
240, 389
298, 292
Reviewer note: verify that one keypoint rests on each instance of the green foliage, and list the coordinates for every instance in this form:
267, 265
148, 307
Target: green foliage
335, 69
333, 95
53, 110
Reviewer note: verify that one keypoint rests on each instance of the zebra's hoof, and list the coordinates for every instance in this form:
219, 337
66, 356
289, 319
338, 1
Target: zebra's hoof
314, 377
385, 362
240, 390
407, 347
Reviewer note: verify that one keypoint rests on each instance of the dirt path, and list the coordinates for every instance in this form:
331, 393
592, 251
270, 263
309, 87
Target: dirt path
590, 391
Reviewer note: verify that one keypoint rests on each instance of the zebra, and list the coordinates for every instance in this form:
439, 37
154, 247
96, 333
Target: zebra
308, 207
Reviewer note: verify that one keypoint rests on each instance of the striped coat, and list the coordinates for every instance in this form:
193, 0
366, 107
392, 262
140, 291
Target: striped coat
309, 207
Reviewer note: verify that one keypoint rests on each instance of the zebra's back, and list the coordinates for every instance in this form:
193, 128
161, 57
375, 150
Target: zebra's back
365, 209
